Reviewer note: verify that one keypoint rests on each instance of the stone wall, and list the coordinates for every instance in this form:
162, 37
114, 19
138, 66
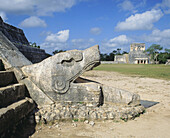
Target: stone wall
138, 57
17, 37
121, 58
137, 47
35, 55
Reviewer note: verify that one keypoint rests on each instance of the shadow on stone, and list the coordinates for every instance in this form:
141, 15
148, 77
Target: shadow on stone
83, 80
148, 104
24, 128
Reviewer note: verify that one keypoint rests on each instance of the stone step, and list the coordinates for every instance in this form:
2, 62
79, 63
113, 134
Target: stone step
1, 66
11, 94
15, 112
7, 78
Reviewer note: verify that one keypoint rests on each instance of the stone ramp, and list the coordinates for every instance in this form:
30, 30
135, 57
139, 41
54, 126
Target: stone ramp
14, 105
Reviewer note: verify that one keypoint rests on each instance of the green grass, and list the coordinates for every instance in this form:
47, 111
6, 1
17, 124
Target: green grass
151, 71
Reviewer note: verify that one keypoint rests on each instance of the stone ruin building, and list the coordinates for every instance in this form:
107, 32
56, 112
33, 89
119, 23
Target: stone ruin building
52, 89
135, 56
17, 37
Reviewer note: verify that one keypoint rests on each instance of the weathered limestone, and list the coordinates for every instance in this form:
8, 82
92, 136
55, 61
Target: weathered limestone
13, 113
7, 78
117, 96
81, 111
11, 94
1, 66
14, 105
17, 37
10, 55
55, 74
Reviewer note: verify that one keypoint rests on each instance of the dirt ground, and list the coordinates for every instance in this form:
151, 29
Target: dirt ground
155, 123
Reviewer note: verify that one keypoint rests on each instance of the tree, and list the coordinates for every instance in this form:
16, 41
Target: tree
124, 52
167, 50
114, 52
33, 45
153, 50
118, 51
162, 57
58, 51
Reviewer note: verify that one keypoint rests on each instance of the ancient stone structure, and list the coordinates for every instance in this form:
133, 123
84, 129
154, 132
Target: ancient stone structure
17, 37
122, 58
137, 47
135, 56
56, 87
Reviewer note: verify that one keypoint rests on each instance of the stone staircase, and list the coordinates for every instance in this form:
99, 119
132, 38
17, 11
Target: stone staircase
14, 102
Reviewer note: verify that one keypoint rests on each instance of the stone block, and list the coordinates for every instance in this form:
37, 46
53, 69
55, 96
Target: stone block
14, 113
7, 78
118, 96
11, 94
1, 66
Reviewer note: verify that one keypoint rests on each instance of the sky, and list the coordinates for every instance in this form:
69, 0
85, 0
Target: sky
79, 24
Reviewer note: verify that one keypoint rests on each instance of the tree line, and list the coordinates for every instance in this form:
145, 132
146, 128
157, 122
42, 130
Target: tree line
156, 56
34, 45
111, 56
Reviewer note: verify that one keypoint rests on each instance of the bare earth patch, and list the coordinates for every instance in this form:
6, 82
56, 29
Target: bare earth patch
154, 123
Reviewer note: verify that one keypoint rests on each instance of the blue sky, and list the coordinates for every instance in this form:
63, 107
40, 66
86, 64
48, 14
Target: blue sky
79, 24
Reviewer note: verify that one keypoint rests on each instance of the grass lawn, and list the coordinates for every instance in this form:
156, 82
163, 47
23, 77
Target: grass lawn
152, 71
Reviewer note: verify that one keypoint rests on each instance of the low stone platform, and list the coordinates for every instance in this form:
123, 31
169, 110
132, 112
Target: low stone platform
82, 111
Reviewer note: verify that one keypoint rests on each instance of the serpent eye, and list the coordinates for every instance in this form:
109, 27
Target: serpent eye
68, 63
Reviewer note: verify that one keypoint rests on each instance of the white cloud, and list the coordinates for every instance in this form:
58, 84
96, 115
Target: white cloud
132, 6
33, 21
17, 6
160, 37
165, 5
82, 43
45, 7
126, 5
118, 41
95, 31
121, 41
61, 36
57, 41
3, 15
36, 7
143, 21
